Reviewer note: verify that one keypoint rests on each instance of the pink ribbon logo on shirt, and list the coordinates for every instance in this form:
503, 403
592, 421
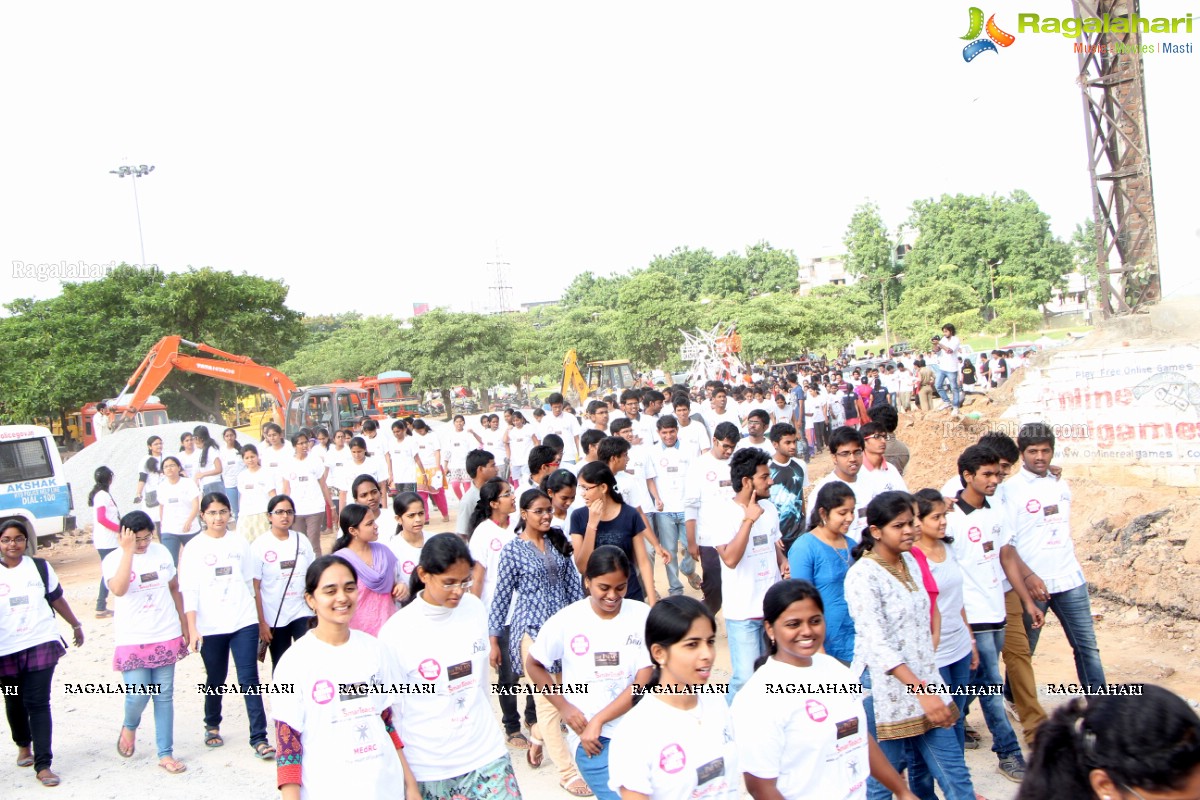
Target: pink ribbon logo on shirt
270, 556
1033, 506
495, 545
711, 476
974, 534
816, 711
672, 759
322, 692
580, 645
430, 669
210, 559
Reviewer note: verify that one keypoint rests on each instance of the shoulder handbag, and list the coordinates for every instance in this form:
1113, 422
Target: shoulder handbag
262, 646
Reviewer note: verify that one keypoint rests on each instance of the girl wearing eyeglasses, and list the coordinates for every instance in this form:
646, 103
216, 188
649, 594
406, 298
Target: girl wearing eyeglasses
440, 639
216, 578
280, 561
149, 627
376, 567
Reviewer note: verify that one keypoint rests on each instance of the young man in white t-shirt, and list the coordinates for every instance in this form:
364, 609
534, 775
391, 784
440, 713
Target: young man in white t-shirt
746, 530
694, 436
563, 424
720, 411
945, 368
708, 485
757, 422
847, 446
875, 442
671, 464
977, 530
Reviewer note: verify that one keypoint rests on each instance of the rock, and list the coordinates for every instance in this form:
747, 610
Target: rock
1131, 616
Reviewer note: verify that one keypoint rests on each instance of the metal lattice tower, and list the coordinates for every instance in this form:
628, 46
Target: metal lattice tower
1112, 79
501, 290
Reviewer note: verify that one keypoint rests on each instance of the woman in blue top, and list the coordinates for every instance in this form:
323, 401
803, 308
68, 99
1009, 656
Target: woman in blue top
606, 519
822, 557
537, 579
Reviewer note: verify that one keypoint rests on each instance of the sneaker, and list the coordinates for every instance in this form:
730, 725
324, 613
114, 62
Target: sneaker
1012, 767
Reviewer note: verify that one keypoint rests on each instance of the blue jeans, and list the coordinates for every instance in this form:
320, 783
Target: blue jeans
594, 770
215, 650
990, 644
164, 704
747, 644
940, 378
1074, 610
234, 499
175, 542
937, 751
669, 528
956, 675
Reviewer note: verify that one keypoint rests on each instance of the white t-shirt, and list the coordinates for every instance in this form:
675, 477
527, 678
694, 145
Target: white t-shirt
645, 428
335, 459
493, 442
146, 613
864, 488
104, 538
887, 478
254, 490
486, 543
955, 641
745, 586
947, 361
273, 562
25, 616
276, 461
371, 465
765, 445
304, 485
662, 752
978, 537
175, 501
429, 449
190, 462
694, 439
455, 447
714, 419
814, 745
606, 654
453, 731
407, 558
347, 749
1038, 514
231, 465
671, 468
520, 442
707, 486
566, 426
215, 579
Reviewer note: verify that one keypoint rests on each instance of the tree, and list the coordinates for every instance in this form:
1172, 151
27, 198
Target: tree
778, 327
364, 346
999, 246
652, 308
688, 267
926, 306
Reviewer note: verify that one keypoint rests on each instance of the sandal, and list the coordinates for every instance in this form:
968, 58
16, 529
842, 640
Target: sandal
172, 765
693, 580
48, 778
103, 614
517, 741
577, 786
126, 750
535, 754
212, 738
264, 751
24, 760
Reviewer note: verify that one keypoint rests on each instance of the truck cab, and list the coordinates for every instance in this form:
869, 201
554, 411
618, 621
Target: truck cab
33, 486
330, 407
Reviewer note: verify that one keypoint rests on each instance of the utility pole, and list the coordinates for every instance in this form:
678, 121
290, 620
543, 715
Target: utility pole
140, 171
501, 288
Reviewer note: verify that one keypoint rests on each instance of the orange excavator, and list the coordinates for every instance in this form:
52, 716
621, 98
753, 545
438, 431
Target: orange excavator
330, 406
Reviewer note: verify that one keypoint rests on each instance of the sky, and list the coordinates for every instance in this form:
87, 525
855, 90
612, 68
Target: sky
376, 155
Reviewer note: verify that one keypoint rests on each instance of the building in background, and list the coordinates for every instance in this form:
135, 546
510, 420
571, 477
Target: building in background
827, 269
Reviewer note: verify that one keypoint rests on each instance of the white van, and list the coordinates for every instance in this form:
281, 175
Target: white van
33, 487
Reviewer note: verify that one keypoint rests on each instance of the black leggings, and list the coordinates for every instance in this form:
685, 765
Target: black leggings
28, 713
282, 638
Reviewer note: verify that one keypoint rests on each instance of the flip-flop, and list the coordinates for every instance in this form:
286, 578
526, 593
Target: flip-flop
212, 738
172, 765
48, 778
517, 741
264, 751
126, 752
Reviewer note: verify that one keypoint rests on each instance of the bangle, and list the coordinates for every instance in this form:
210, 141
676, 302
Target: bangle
972, 640
78, 626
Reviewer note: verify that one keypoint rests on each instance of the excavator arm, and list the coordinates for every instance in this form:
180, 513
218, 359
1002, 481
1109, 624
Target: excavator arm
165, 357
574, 387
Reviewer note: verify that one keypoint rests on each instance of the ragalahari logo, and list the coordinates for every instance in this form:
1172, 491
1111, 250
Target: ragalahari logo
995, 36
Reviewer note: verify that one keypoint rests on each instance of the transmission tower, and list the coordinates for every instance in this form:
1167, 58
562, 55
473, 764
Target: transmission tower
1112, 79
501, 290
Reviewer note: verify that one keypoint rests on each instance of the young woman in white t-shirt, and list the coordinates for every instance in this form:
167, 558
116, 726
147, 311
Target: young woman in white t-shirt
178, 507
106, 525
676, 743
304, 481
796, 744
361, 462
256, 486
600, 641
458, 443
189, 457
440, 638
231, 465
275, 452
280, 560
334, 742
30, 647
432, 484
150, 475
216, 578
409, 510
518, 441
209, 470
149, 633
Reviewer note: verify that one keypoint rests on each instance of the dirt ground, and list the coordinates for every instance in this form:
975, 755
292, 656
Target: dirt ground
1138, 644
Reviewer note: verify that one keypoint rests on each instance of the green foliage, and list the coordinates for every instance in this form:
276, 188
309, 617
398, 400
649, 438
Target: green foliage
652, 308
362, 346
926, 306
688, 267
777, 327
1001, 247
869, 255
1012, 317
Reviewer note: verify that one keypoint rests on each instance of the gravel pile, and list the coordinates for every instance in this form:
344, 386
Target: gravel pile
124, 452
